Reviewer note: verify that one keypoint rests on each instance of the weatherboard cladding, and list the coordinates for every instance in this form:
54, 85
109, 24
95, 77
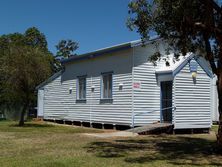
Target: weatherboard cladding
147, 98
40, 102
59, 104
131, 66
193, 101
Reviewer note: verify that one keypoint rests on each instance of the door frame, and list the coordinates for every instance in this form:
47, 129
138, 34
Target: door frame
161, 101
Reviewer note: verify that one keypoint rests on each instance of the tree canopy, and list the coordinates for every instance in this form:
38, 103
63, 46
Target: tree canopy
34, 38
187, 26
65, 48
25, 63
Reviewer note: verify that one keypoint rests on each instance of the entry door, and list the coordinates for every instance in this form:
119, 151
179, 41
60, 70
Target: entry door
166, 101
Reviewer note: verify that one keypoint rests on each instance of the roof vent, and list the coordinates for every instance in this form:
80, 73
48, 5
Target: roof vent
193, 65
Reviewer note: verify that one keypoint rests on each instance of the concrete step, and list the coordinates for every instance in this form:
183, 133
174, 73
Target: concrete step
152, 128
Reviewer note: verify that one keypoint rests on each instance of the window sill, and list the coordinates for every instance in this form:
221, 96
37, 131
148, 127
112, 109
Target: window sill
80, 100
105, 101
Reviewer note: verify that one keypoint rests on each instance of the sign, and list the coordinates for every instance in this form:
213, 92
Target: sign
137, 85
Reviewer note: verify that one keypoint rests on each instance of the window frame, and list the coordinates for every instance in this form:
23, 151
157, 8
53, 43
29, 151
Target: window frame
78, 88
102, 97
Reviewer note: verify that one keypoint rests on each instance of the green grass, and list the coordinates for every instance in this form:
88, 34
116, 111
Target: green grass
214, 128
46, 145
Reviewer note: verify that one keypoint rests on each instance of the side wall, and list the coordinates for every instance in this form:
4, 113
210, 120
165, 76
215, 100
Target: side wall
60, 102
192, 101
40, 103
146, 98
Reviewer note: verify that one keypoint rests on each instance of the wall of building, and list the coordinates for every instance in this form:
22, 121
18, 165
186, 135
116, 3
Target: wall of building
193, 101
147, 96
60, 103
40, 103
130, 68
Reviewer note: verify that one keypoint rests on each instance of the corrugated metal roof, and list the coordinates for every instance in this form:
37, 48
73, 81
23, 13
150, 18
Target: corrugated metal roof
49, 80
106, 50
175, 68
97, 52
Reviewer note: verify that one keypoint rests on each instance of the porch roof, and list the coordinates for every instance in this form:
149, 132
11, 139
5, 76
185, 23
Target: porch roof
167, 73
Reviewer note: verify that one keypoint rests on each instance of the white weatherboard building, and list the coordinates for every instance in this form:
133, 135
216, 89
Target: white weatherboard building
118, 85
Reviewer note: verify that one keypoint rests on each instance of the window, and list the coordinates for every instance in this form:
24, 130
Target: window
106, 91
81, 88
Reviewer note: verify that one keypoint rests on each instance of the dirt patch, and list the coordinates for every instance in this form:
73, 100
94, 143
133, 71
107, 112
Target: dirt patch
112, 134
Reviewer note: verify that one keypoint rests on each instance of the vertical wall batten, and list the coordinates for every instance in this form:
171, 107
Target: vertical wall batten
132, 112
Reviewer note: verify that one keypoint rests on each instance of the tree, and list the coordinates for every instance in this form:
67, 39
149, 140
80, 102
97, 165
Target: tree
23, 68
35, 38
24, 65
65, 48
188, 26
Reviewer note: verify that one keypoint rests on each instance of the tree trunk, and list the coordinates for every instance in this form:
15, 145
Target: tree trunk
22, 116
219, 89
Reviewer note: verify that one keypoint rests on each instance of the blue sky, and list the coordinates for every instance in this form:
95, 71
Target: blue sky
93, 24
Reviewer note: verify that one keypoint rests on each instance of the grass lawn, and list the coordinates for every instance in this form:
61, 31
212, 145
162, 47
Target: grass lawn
40, 145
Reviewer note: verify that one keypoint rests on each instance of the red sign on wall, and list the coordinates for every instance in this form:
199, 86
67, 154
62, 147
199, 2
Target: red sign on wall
136, 85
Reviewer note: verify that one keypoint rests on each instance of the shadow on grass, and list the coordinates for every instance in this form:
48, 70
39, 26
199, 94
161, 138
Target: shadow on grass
32, 125
178, 150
